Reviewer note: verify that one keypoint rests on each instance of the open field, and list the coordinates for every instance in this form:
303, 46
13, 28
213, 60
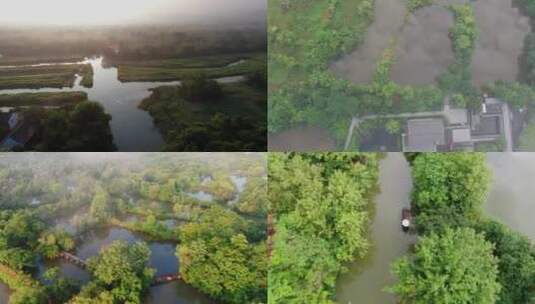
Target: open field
57, 76
180, 68
41, 99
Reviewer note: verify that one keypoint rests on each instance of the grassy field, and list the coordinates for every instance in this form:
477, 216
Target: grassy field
177, 69
45, 76
42, 99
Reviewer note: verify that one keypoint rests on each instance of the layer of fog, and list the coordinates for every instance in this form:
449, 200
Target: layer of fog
128, 12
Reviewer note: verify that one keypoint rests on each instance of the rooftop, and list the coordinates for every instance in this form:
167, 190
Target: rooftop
425, 134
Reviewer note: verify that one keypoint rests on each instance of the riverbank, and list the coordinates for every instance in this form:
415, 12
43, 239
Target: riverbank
42, 99
49, 76
183, 68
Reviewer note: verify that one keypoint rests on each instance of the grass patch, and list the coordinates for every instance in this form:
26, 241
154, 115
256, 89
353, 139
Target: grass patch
44, 76
42, 99
181, 68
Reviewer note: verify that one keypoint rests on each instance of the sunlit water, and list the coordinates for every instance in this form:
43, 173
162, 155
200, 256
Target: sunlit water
366, 279
133, 129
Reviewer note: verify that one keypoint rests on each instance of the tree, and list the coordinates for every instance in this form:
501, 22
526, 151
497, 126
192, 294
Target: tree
200, 88
101, 206
120, 275
217, 258
454, 267
321, 202
516, 264
448, 188
90, 128
52, 243
526, 141
393, 126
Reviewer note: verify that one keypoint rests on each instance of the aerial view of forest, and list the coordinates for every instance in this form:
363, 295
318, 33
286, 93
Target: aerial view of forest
139, 76
401, 228
411, 75
111, 228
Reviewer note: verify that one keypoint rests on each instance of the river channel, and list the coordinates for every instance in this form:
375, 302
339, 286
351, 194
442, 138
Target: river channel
366, 279
133, 129
510, 201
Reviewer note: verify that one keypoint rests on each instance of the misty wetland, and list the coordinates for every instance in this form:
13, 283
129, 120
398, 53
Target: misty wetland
133, 76
147, 228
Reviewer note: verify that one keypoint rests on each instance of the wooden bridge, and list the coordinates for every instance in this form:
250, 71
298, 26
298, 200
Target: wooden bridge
69, 257
166, 279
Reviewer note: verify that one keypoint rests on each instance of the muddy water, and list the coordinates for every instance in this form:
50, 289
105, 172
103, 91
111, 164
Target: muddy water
511, 196
359, 66
502, 31
424, 47
301, 139
424, 50
365, 281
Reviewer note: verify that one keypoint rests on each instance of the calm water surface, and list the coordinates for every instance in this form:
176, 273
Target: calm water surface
365, 281
511, 198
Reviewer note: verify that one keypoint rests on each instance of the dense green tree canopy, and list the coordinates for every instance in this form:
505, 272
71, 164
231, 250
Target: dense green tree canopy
516, 263
320, 201
448, 188
216, 257
120, 275
453, 267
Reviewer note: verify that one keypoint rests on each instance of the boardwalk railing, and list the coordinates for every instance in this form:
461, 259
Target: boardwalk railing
69, 257
166, 278
73, 259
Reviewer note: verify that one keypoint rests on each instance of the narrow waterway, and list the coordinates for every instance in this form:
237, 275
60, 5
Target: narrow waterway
511, 197
4, 293
133, 129
366, 279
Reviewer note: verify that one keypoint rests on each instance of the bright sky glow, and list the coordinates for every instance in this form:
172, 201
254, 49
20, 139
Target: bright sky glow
74, 12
